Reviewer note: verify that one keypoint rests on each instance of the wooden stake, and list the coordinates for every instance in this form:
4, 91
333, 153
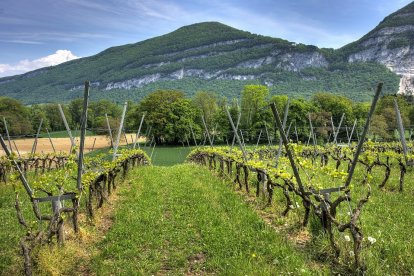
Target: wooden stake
62, 114
84, 121
50, 140
401, 130
37, 136
208, 134
237, 135
109, 130
364, 133
7, 133
139, 130
119, 131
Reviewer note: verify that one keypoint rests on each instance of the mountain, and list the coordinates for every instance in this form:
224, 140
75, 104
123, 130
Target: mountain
391, 44
214, 57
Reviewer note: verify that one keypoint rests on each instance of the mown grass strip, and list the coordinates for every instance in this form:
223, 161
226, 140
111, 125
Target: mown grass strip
182, 219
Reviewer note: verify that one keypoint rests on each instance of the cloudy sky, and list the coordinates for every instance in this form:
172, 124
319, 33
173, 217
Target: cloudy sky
38, 33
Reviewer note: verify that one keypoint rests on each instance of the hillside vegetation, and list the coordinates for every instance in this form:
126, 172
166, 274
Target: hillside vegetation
209, 56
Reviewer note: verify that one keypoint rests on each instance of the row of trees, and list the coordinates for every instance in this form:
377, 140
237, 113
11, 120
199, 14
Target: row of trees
24, 120
170, 114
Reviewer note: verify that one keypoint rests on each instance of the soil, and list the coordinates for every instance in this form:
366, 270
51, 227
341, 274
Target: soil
63, 144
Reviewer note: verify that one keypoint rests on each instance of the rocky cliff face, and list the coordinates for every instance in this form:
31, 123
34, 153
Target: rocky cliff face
391, 44
293, 62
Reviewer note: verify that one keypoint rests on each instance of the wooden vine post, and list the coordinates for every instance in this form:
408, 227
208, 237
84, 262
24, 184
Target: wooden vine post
267, 136
139, 130
401, 131
50, 140
311, 134
121, 125
192, 133
363, 135
352, 132
338, 129
7, 133
236, 134
279, 125
72, 141
84, 120
109, 130
236, 129
279, 149
37, 137
208, 134
23, 179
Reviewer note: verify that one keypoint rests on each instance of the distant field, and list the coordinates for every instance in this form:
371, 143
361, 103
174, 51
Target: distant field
62, 143
64, 134
168, 156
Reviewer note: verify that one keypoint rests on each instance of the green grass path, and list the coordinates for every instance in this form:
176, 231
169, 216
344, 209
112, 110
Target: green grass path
182, 219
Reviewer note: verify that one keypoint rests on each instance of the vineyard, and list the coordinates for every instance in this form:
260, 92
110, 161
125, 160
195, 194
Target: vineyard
360, 227
293, 208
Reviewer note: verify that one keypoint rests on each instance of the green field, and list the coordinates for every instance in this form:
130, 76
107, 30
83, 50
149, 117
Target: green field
167, 156
64, 134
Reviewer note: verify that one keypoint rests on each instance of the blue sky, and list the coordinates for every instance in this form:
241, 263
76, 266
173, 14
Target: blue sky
36, 33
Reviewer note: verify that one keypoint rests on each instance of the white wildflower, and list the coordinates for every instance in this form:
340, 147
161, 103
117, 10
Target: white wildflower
297, 204
347, 238
351, 253
291, 206
372, 240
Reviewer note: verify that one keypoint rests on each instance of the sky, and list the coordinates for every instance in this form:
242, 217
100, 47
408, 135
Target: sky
38, 33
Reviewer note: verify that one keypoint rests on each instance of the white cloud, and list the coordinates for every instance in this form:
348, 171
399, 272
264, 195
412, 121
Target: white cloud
28, 65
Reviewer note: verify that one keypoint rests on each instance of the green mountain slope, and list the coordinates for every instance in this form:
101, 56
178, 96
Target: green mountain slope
205, 56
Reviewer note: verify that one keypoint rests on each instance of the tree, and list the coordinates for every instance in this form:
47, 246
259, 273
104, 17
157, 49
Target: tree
254, 109
336, 105
207, 103
37, 114
387, 110
75, 108
16, 115
97, 111
169, 114
299, 110
379, 127
55, 119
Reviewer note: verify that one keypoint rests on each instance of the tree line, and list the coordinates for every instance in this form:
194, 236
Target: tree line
173, 118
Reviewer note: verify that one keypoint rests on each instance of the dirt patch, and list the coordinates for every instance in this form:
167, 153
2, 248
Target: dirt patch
196, 264
64, 144
198, 258
75, 257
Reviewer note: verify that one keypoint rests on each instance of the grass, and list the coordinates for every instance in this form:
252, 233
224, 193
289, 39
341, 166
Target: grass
10, 231
11, 262
168, 156
182, 219
64, 134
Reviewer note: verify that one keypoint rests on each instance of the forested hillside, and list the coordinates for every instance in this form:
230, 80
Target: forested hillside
206, 56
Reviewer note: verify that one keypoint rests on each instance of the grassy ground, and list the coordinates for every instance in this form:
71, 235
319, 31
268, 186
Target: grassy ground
168, 156
10, 230
64, 134
181, 219
11, 261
